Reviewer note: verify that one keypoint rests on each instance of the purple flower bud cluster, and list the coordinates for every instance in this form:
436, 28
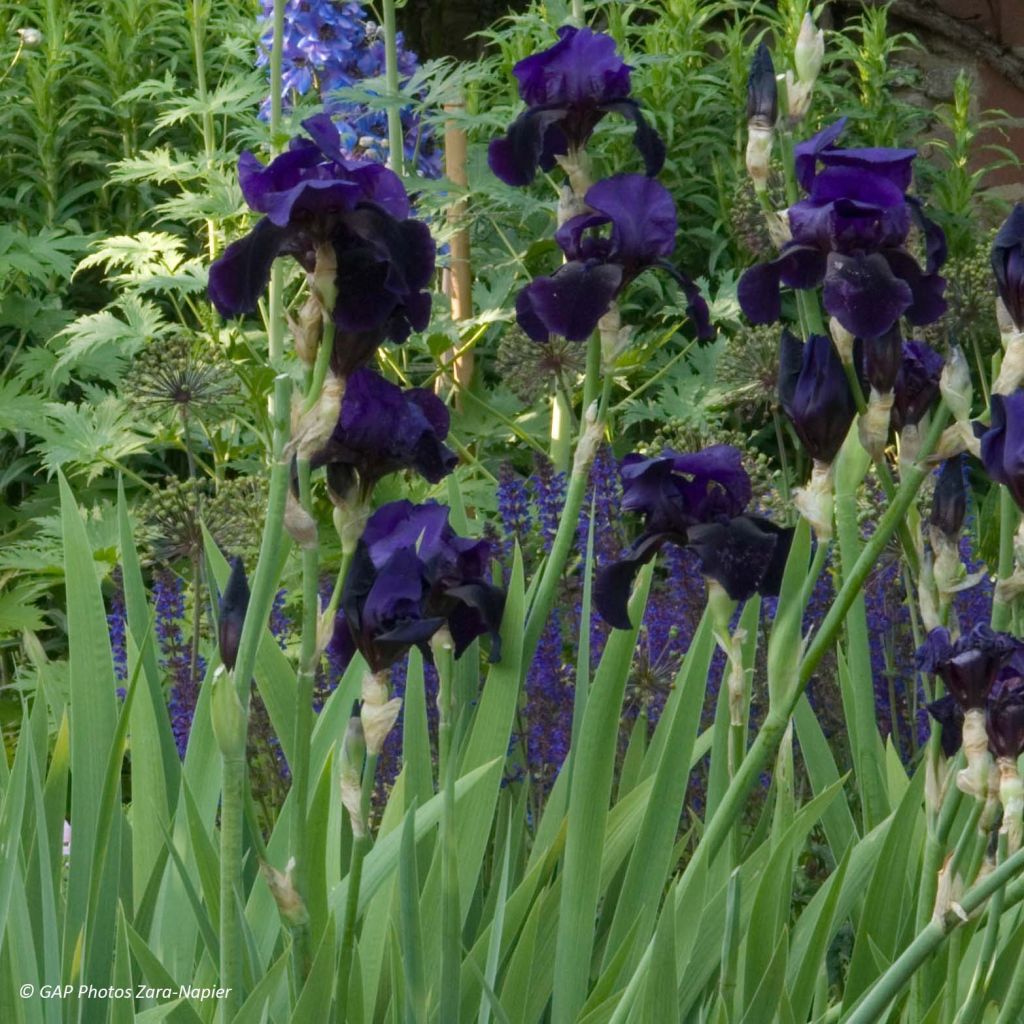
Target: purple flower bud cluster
331, 45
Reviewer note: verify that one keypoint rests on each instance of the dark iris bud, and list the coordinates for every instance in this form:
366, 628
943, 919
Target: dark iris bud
233, 604
969, 666
950, 717
917, 383
949, 503
762, 91
1004, 722
815, 394
1008, 264
882, 358
1002, 445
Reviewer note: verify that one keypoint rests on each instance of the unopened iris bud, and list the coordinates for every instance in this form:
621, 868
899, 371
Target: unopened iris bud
762, 91
949, 502
233, 604
762, 113
810, 51
227, 716
815, 394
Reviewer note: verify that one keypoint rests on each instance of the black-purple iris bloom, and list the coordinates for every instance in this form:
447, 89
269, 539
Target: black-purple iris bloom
696, 500
948, 713
412, 574
1008, 264
312, 195
849, 236
382, 429
567, 89
815, 394
917, 383
641, 217
969, 665
1002, 445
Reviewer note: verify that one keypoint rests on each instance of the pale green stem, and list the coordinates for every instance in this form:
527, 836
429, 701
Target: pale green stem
231, 814
360, 847
209, 138
451, 959
566, 533
396, 149
1007, 526
264, 586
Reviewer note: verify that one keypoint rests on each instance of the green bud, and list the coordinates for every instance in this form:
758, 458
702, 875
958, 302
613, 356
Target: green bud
230, 725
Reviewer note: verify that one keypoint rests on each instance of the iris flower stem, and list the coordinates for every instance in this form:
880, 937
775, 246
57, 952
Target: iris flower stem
1001, 610
982, 972
396, 149
451, 958
261, 599
360, 847
872, 1008
575, 493
577, 12
922, 994
198, 27
309, 657
231, 813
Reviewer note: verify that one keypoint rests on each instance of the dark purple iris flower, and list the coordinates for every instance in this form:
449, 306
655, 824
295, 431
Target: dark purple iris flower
1004, 723
1002, 445
568, 89
815, 394
382, 429
949, 501
642, 220
917, 383
849, 236
695, 500
1008, 264
969, 665
950, 716
234, 602
412, 574
312, 195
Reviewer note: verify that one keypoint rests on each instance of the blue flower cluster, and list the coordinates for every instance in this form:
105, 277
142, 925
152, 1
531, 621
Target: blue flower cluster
331, 45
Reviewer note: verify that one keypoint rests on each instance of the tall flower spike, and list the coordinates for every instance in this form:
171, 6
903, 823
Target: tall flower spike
849, 236
640, 216
349, 216
762, 112
568, 89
